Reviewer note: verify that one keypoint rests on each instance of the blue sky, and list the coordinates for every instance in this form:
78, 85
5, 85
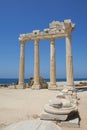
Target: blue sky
23, 16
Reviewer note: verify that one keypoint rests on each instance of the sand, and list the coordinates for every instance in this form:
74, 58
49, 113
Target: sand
22, 104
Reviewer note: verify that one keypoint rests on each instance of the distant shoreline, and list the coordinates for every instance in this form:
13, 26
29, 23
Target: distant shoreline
15, 80
79, 83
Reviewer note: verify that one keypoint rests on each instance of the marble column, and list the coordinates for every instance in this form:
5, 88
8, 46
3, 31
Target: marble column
69, 61
22, 63
52, 65
36, 66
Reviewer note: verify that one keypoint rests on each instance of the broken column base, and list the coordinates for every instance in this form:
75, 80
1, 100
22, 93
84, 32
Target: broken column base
65, 117
36, 87
61, 120
52, 87
20, 86
54, 117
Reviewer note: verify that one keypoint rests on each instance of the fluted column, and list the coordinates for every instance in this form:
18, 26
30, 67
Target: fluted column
69, 61
22, 63
36, 66
52, 65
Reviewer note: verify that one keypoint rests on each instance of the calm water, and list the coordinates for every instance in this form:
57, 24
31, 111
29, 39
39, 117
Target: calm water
10, 81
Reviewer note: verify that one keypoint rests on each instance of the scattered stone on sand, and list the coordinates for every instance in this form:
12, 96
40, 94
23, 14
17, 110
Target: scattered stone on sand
81, 84
62, 108
12, 86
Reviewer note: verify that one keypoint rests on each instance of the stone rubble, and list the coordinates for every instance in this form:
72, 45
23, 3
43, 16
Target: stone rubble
62, 108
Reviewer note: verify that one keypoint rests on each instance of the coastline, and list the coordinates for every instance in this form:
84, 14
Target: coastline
15, 80
60, 83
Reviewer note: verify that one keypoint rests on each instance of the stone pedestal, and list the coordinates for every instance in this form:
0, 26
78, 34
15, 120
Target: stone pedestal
52, 65
36, 66
21, 70
69, 61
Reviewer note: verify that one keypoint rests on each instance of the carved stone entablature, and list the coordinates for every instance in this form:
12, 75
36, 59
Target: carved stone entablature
46, 30
36, 32
56, 30
61, 27
68, 25
57, 26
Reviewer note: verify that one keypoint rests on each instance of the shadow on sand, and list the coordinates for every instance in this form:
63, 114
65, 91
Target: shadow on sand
81, 89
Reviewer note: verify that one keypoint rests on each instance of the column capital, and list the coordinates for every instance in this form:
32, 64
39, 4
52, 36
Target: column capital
23, 42
52, 40
36, 41
69, 35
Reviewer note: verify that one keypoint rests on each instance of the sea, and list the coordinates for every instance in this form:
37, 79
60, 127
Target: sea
15, 80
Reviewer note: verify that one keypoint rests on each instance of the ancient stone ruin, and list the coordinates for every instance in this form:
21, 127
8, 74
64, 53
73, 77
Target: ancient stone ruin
63, 109
56, 30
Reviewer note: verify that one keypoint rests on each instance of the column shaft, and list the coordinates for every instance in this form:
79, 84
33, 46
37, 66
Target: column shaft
52, 65
21, 70
36, 66
69, 61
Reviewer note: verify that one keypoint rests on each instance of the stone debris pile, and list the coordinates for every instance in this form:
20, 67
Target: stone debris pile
62, 108
42, 82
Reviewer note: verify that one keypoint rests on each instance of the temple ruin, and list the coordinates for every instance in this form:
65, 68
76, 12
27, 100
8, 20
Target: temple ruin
56, 30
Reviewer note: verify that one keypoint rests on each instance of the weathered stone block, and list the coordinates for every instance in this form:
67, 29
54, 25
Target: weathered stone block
53, 117
60, 111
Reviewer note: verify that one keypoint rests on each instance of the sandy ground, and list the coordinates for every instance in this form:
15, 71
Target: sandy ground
23, 104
